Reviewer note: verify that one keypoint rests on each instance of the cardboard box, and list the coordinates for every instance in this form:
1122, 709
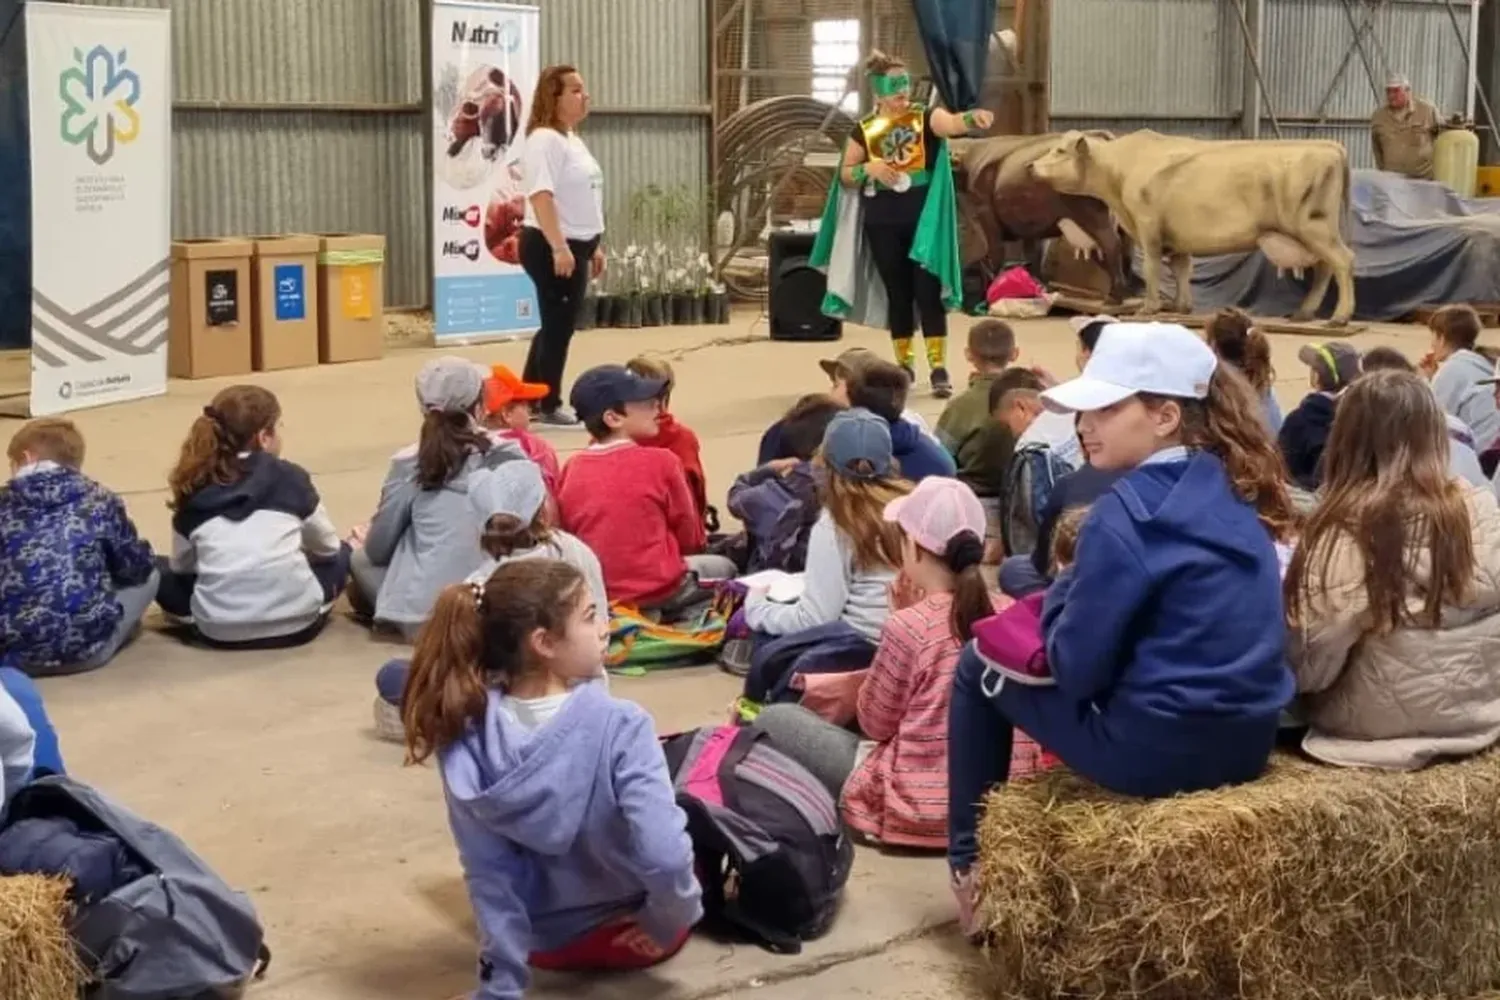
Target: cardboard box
285, 277
209, 333
351, 297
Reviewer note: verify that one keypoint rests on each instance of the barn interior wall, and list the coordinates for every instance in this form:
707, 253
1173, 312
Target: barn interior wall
1177, 65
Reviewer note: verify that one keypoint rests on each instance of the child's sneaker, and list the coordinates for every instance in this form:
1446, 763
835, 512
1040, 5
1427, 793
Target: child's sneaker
964, 895
942, 385
388, 725
390, 683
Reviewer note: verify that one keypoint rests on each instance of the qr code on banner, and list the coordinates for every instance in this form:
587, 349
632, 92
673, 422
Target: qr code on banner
523, 309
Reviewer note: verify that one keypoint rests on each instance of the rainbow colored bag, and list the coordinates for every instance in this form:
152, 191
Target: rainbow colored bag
639, 643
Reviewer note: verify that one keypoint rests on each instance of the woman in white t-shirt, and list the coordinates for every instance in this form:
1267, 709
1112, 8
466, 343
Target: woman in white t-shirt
564, 221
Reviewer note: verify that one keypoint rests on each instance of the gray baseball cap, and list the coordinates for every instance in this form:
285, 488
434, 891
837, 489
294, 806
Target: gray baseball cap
450, 385
513, 487
857, 444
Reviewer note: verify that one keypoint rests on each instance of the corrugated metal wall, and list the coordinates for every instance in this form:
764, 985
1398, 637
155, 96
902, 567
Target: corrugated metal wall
325, 124
1177, 65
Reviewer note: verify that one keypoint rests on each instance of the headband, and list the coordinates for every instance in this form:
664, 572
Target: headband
890, 84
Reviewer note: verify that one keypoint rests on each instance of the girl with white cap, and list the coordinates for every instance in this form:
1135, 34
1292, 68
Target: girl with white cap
894, 783
1166, 637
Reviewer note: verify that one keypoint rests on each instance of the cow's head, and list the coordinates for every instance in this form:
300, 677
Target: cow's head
1065, 166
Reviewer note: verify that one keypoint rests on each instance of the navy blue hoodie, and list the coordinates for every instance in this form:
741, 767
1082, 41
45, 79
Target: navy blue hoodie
1170, 622
919, 454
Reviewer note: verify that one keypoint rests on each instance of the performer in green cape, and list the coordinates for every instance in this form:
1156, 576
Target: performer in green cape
889, 238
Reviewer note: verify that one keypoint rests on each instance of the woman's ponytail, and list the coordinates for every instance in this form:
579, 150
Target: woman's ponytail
446, 688
230, 424
964, 556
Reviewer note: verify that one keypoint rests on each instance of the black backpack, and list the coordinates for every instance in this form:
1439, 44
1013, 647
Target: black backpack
772, 852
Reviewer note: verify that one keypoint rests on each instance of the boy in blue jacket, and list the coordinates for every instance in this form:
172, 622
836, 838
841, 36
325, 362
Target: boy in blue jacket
76, 579
881, 388
1166, 636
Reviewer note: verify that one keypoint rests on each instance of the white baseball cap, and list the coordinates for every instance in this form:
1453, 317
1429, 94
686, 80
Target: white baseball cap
1165, 359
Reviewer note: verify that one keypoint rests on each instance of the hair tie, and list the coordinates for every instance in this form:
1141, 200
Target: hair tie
964, 549
478, 590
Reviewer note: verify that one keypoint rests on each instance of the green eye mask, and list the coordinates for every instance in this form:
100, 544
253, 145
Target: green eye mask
886, 85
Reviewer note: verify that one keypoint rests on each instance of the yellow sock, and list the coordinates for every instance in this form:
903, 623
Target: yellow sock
904, 354
936, 351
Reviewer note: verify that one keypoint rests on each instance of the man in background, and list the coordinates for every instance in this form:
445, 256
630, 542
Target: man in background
1402, 131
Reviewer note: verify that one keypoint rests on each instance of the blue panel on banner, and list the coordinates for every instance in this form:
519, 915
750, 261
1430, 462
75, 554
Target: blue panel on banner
291, 298
483, 304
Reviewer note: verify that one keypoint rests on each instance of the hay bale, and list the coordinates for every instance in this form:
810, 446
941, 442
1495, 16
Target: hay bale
1313, 883
37, 960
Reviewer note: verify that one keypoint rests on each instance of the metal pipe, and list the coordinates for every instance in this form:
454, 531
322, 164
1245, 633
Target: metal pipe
333, 107
1473, 60
745, 51
1338, 76
1254, 58
1255, 43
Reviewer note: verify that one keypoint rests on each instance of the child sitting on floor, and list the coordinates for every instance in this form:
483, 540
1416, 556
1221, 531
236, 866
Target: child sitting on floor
778, 502
574, 850
852, 556
631, 505
979, 445
511, 503
507, 416
256, 562
76, 578
1233, 336
676, 437
1331, 367
895, 789
1165, 638
881, 387
1460, 374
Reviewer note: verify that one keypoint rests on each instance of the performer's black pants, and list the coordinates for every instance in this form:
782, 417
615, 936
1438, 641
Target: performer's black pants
910, 289
558, 301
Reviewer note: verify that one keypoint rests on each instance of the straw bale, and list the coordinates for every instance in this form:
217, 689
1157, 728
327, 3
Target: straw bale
1313, 883
37, 960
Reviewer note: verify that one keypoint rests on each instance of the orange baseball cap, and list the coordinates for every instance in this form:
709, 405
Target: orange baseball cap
504, 387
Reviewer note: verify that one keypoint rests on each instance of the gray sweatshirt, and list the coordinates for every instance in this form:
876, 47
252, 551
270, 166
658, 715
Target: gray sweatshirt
427, 539
833, 590
565, 547
17, 745
1460, 394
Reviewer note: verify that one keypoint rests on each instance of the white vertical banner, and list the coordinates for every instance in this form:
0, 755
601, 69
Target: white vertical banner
485, 61
100, 99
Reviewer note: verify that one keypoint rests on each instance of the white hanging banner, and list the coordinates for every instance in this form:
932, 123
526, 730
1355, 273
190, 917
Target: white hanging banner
100, 98
485, 61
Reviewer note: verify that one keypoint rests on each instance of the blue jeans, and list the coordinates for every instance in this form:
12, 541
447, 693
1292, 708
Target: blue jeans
47, 756
1019, 578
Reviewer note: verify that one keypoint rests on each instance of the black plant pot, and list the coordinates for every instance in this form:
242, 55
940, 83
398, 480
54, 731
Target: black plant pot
608, 311
678, 312
632, 312
588, 313
721, 308
696, 308
652, 312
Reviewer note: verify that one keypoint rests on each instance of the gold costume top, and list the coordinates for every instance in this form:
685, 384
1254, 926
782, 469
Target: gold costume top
899, 141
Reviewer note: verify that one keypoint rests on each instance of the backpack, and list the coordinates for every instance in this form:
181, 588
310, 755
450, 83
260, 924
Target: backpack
772, 852
178, 933
1034, 470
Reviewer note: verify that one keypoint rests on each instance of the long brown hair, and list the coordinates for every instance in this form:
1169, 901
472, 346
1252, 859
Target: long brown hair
444, 446
1229, 424
857, 507
478, 638
231, 423
1234, 338
964, 556
506, 534
549, 88
1386, 489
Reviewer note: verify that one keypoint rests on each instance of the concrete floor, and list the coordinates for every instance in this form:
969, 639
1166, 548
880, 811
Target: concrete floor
266, 764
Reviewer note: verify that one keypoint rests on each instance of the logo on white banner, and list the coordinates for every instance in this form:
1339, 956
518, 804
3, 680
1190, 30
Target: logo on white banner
468, 216
458, 248
99, 96
503, 35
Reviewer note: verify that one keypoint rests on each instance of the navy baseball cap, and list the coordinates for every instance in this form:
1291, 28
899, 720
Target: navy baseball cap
607, 387
857, 444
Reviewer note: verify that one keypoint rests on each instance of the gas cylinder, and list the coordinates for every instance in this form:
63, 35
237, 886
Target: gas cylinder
1455, 160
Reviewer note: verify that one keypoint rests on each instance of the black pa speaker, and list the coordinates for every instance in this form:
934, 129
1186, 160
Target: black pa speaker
796, 290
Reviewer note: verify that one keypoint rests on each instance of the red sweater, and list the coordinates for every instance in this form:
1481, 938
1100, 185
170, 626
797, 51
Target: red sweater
631, 505
680, 440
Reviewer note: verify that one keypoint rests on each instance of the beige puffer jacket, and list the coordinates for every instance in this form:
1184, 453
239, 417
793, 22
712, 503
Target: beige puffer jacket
1399, 701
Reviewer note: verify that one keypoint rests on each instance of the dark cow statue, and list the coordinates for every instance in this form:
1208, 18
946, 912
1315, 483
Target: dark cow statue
999, 201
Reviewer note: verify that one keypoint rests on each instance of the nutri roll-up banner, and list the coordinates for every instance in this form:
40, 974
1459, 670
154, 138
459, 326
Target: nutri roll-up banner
485, 62
100, 91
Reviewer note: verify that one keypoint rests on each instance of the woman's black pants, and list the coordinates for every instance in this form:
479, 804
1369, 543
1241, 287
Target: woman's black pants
558, 301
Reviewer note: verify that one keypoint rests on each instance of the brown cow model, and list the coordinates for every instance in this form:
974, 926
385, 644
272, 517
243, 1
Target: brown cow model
1195, 197
999, 201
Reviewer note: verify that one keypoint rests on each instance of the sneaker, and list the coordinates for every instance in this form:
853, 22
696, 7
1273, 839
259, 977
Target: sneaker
388, 725
942, 385
911, 375
559, 417
964, 895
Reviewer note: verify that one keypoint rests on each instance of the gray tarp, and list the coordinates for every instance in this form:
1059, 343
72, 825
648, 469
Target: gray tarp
1416, 243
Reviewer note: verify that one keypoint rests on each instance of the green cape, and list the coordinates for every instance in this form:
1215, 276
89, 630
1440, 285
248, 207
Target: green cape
855, 292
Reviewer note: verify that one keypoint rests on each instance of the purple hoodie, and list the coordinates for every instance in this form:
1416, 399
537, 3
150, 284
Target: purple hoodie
563, 828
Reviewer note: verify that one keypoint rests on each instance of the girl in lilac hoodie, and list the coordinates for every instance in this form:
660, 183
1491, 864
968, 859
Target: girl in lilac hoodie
574, 851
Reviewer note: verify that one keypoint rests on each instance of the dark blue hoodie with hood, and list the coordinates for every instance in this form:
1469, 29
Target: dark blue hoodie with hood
919, 454
1166, 638
564, 828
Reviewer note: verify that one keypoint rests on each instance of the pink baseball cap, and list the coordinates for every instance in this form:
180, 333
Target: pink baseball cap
936, 512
